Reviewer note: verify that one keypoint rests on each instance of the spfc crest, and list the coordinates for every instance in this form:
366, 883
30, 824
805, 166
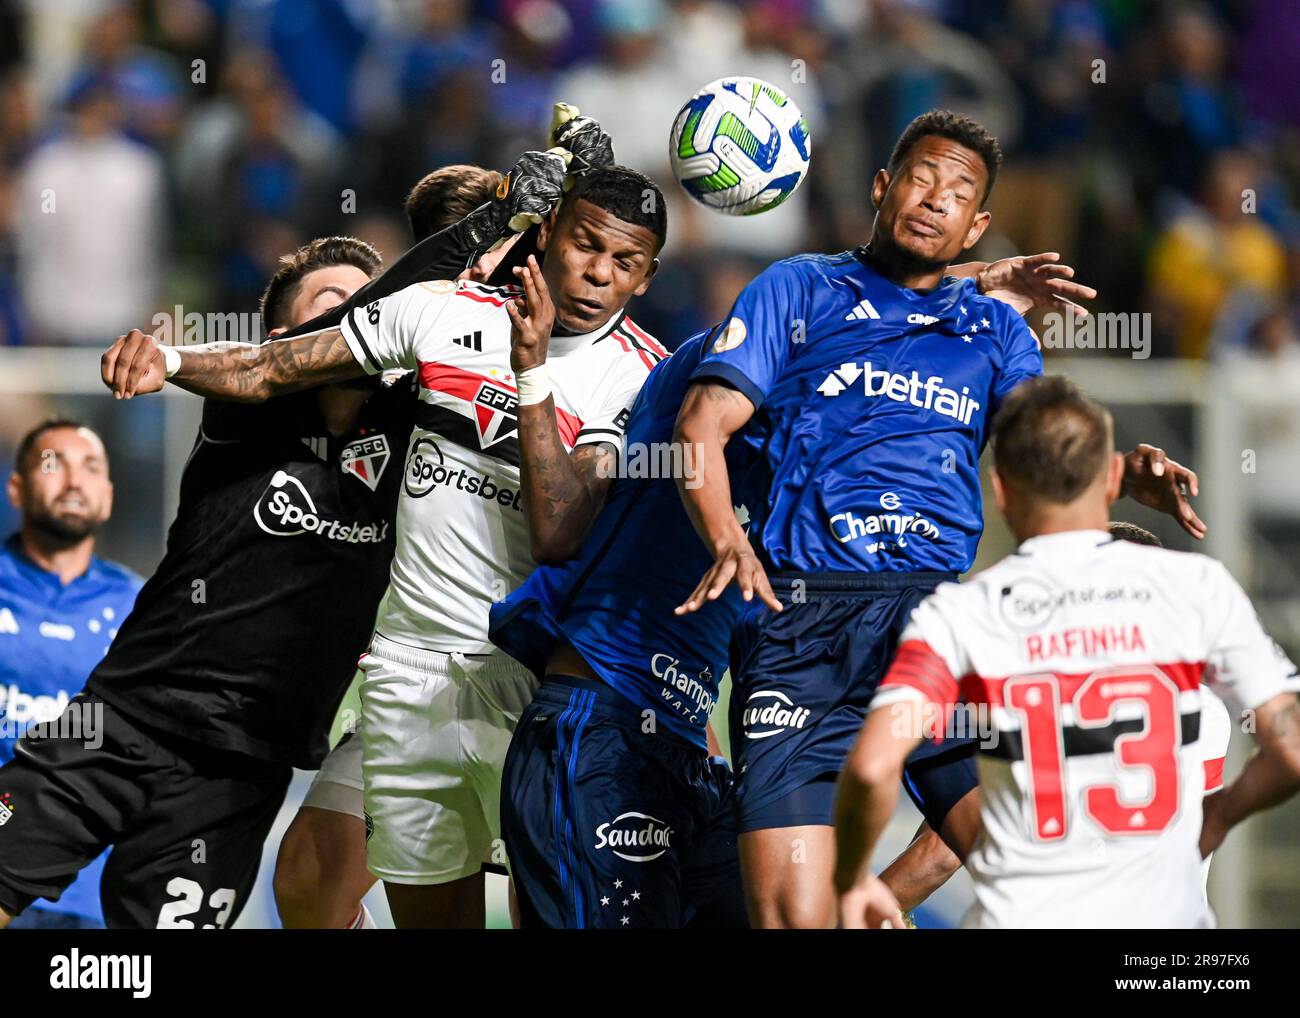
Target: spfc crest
365, 459
495, 414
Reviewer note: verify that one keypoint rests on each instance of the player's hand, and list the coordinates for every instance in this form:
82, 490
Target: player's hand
133, 365
738, 565
1034, 281
871, 906
1152, 478
530, 190
584, 138
531, 318
1213, 830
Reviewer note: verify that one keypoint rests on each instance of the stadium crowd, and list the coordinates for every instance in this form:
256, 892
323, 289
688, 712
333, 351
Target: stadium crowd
1140, 140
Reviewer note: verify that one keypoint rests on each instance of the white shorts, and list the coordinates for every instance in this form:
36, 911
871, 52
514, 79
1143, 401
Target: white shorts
437, 727
337, 786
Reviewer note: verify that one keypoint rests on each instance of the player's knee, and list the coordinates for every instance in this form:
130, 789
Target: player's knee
297, 882
788, 909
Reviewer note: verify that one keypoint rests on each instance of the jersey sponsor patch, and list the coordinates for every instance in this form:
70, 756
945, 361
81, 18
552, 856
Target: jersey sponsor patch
286, 509
365, 459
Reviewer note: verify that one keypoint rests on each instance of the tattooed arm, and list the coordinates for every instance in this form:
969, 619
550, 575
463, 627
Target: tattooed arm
562, 491
231, 371
1271, 776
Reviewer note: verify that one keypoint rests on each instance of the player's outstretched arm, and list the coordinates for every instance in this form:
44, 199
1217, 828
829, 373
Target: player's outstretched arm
562, 491
1029, 281
710, 415
137, 363
865, 798
1271, 776
1152, 478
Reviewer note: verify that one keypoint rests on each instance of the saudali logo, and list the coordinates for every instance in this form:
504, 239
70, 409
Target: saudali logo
365, 459
636, 837
495, 414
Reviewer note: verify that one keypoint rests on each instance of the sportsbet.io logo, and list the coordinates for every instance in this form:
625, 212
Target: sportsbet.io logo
636, 837
286, 509
426, 469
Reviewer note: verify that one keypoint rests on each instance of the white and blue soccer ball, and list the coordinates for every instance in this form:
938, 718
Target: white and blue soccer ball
740, 146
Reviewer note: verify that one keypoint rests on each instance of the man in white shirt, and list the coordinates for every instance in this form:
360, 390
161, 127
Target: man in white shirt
1083, 659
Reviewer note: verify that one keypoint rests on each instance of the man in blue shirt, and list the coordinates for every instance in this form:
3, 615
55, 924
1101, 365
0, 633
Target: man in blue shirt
863, 384
60, 607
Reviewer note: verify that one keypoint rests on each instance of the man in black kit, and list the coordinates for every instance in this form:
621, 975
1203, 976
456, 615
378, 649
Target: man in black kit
229, 671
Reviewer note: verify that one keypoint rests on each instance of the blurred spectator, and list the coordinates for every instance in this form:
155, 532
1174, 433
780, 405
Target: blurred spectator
906, 62
60, 607
1190, 110
255, 149
90, 225
315, 44
1209, 253
146, 81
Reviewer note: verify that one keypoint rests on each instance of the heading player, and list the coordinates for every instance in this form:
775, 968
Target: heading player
639, 685
864, 382
509, 462
1086, 655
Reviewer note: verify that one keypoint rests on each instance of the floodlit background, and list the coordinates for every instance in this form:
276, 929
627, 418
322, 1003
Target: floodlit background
158, 153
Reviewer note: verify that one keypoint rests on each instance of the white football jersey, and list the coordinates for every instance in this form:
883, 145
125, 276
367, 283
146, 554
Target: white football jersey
462, 539
1082, 659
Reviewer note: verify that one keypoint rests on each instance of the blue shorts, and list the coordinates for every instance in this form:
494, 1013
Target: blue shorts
802, 680
608, 826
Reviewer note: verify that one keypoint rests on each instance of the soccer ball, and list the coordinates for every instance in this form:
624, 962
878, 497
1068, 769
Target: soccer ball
740, 146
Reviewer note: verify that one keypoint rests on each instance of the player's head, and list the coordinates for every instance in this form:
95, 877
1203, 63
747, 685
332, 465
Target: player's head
929, 199
60, 482
601, 244
320, 275
1131, 532
1054, 461
447, 196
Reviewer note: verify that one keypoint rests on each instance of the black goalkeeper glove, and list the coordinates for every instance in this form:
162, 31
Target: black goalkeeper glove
531, 189
524, 198
583, 138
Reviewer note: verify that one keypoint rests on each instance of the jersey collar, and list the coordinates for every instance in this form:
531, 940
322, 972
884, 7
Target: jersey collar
37, 574
1066, 541
567, 344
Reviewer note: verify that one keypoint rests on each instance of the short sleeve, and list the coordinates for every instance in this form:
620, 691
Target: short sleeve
753, 346
606, 419
1022, 359
382, 334
1244, 665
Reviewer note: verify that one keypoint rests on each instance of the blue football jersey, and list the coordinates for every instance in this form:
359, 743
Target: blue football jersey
873, 406
614, 603
51, 638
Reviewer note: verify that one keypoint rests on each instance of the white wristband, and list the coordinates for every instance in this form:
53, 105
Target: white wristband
534, 385
171, 360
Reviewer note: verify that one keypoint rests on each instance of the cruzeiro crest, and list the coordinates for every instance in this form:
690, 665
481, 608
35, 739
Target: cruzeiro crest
365, 459
495, 414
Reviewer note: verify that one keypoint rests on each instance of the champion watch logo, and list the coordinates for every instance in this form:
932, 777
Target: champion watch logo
861, 311
495, 414
365, 459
